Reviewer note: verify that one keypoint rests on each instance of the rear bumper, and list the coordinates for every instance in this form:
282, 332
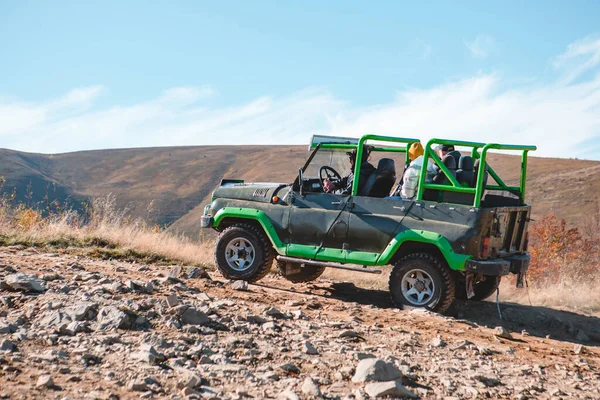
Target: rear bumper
516, 264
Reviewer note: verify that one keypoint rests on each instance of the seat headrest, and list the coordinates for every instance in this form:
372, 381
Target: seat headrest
476, 165
465, 163
386, 166
449, 161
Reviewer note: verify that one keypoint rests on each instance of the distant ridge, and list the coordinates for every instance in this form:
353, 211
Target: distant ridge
178, 181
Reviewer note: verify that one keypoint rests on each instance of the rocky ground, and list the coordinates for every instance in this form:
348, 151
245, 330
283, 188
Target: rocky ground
81, 328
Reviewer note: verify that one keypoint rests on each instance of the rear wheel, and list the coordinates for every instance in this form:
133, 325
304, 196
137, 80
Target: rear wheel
243, 252
297, 272
422, 280
483, 288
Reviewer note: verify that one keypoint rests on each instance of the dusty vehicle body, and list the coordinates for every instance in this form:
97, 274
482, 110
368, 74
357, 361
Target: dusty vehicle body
453, 239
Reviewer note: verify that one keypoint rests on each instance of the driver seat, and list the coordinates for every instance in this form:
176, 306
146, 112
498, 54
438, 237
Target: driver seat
380, 182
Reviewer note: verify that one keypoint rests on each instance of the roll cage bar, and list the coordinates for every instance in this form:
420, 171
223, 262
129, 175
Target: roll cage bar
479, 151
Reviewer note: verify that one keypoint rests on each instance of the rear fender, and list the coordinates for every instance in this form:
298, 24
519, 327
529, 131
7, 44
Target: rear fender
422, 241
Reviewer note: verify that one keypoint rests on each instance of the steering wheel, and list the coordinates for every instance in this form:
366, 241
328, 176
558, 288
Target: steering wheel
330, 173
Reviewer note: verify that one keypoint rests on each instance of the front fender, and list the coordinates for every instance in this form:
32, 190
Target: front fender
255, 215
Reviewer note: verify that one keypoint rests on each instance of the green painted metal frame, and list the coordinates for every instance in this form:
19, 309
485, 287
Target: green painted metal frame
454, 186
360, 147
477, 191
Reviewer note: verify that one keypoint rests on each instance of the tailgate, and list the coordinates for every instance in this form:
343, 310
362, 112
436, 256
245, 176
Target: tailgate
508, 231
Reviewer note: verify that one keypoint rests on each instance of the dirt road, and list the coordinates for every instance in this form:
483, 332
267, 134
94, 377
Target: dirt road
106, 329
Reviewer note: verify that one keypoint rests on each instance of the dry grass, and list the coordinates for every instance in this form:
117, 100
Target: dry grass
106, 231
565, 294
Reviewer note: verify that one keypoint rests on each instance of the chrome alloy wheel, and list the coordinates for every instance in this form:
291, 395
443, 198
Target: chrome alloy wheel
417, 287
240, 254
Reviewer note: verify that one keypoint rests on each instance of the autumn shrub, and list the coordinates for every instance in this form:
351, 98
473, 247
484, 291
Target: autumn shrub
559, 252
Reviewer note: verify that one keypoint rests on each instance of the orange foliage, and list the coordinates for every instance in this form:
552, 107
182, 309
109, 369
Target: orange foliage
558, 251
28, 218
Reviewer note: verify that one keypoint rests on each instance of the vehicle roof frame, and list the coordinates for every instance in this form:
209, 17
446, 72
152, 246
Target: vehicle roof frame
479, 151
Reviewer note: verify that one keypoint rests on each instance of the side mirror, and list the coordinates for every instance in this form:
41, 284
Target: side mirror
301, 181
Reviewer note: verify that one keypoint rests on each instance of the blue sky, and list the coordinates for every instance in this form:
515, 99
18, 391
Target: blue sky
86, 75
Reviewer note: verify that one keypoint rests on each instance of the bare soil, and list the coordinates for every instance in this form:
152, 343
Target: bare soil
552, 353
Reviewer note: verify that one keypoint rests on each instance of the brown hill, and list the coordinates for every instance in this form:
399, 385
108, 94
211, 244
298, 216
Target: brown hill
178, 181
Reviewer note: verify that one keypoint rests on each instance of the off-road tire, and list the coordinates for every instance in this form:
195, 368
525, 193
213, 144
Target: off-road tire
307, 273
263, 252
440, 273
483, 289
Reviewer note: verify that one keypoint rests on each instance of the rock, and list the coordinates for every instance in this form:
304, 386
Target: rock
438, 342
274, 312
7, 328
502, 332
299, 314
288, 394
172, 300
51, 277
44, 381
85, 311
375, 369
192, 316
310, 388
139, 286
189, 393
578, 349
148, 354
290, 369
195, 272
8, 346
137, 386
350, 334
240, 285
175, 271
192, 381
111, 318
25, 283
75, 327
392, 389
308, 348
256, 319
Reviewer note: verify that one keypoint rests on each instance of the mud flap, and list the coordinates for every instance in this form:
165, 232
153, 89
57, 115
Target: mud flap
520, 277
470, 277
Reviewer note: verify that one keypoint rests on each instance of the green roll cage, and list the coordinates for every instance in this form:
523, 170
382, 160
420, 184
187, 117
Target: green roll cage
479, 151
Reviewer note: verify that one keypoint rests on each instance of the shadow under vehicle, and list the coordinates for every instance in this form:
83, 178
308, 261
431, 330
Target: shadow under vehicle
463, 230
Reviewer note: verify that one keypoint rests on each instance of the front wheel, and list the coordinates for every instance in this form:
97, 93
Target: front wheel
243, 252
422, 280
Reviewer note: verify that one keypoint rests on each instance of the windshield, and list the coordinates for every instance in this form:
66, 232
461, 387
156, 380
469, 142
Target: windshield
336, 159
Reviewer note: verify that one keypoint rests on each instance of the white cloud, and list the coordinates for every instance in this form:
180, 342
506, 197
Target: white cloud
581, 56
481, 46
555, 116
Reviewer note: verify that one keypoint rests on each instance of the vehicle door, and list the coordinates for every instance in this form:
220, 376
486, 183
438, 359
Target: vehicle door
374, 222
319, 219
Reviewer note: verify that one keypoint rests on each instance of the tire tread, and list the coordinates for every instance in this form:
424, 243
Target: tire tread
445, 271
268, 251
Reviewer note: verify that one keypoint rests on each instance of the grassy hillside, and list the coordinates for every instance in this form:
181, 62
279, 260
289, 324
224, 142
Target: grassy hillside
177, 181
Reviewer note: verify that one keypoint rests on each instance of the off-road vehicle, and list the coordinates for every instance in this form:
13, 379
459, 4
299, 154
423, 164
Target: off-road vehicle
463, 231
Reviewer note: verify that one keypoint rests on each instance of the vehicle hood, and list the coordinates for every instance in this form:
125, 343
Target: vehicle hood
261, 192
